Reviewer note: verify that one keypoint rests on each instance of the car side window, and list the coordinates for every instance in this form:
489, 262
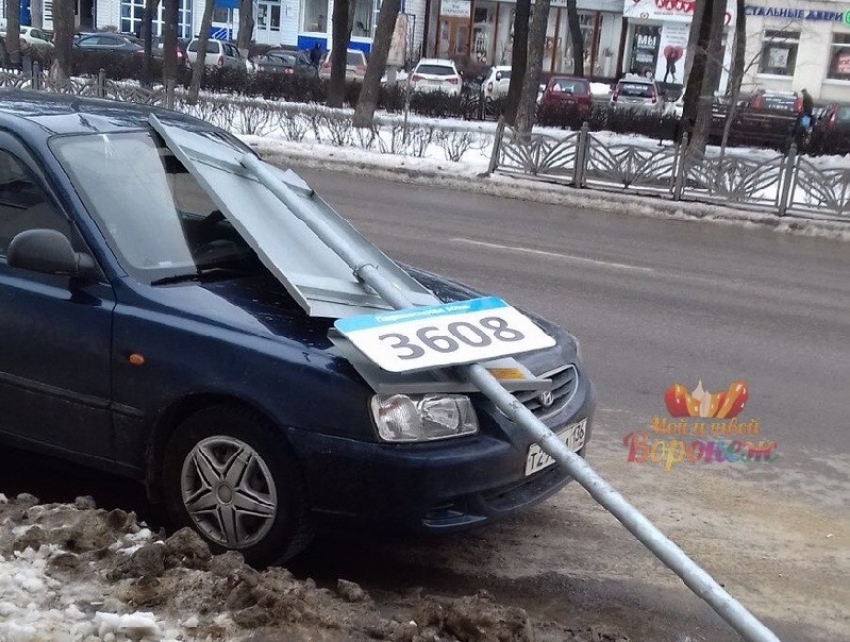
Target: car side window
24, 204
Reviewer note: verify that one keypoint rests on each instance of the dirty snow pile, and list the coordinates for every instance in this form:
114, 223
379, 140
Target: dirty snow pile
75, 573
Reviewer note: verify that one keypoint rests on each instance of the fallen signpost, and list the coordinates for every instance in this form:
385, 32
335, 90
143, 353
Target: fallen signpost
478, 323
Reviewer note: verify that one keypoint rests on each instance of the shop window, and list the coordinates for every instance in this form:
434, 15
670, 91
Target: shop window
364, 15
779, 52
315, 16
839, 57
133, 11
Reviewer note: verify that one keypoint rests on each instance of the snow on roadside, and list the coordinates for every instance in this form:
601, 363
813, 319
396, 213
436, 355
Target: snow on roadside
467, 176
73, 573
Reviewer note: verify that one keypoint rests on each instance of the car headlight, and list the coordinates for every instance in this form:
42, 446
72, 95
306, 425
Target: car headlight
405, 418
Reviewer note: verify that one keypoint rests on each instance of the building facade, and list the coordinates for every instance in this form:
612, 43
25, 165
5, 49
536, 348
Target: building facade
803, 45
790, 45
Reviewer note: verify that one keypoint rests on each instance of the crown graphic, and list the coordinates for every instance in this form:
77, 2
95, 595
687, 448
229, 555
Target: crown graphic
703, 404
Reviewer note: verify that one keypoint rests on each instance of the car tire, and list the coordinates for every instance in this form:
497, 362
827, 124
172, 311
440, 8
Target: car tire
229, 475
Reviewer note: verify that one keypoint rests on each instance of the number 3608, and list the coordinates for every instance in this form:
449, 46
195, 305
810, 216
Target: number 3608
450, 339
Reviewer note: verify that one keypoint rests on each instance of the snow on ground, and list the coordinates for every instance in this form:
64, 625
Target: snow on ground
467, 176
73, 573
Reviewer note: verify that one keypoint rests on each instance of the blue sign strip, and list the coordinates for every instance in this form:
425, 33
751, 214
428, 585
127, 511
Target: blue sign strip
366, 321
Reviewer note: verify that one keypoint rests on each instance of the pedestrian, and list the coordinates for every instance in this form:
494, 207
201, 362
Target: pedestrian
316, 54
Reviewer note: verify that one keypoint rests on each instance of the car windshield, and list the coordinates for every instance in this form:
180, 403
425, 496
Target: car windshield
843, 114
153, 214
565, 86
638, 90
435, 70
354, 58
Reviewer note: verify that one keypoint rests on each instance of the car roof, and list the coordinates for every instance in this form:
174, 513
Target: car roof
37, 115
634, 78
436, 61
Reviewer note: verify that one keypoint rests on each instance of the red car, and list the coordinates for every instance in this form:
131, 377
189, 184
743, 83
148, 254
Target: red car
566, 90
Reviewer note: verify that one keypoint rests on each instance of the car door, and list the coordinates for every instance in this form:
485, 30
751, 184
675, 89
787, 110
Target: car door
55, 385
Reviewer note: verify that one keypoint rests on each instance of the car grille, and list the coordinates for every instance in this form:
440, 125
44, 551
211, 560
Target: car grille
564, 385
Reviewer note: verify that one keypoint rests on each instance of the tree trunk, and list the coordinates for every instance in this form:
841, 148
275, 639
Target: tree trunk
367, 102
171, 14
711, 78
695, 62
577, 38
519, 59
246, 25
736, 78
63, 39
13, 32
199, 66
147, 36
527, 113
37, 13
341, 26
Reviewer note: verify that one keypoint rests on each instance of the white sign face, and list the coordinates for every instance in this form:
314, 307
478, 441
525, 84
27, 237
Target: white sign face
455, 8
438, 336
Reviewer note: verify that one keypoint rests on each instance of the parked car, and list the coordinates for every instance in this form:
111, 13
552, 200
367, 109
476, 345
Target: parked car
566, 90
32, 37
637, 93
281, 61
764, 117
158, 51
109, 42
152, 329
435, 74
219, 54
355, 65
495, 83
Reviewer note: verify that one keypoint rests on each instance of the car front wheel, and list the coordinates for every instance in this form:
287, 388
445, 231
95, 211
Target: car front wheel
228, 475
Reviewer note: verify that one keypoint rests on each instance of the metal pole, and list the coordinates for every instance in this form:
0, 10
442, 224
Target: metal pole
694, 577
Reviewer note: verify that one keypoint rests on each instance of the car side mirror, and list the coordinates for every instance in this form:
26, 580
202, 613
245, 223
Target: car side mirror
46, 251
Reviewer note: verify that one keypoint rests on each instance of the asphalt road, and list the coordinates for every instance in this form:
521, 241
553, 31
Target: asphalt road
652, 302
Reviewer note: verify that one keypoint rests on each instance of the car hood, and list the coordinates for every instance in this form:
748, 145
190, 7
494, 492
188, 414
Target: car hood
261, 306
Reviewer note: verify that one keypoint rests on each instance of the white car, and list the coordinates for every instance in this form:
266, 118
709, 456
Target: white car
434, 74
32, 37
496, 82
219, 54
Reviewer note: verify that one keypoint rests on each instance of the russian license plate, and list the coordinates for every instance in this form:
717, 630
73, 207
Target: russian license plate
438, 336
572, 437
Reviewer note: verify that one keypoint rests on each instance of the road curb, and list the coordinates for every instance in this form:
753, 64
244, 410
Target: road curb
459, 177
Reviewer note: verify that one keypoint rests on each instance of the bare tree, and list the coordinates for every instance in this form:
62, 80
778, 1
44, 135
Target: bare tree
171, 15
13, 32
367, 102
715, 17
63, 38
200, 57
246, 25
576, 38
37, 13
527, 112
339, 51
519, 59
739, 60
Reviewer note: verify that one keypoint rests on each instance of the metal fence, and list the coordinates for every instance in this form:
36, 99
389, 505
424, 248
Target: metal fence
779, 183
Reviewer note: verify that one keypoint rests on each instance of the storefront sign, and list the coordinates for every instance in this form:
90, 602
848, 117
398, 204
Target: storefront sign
668, 10
455, 8
798, 14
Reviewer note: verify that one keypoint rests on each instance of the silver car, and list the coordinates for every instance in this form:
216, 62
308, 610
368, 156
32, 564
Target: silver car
637, 93
219, 54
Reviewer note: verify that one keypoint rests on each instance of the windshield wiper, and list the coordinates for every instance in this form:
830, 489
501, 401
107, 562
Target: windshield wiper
201, 274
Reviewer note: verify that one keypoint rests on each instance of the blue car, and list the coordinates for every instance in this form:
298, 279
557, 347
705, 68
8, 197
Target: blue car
146, 333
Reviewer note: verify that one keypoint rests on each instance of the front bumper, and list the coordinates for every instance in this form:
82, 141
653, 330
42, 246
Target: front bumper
434, 487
